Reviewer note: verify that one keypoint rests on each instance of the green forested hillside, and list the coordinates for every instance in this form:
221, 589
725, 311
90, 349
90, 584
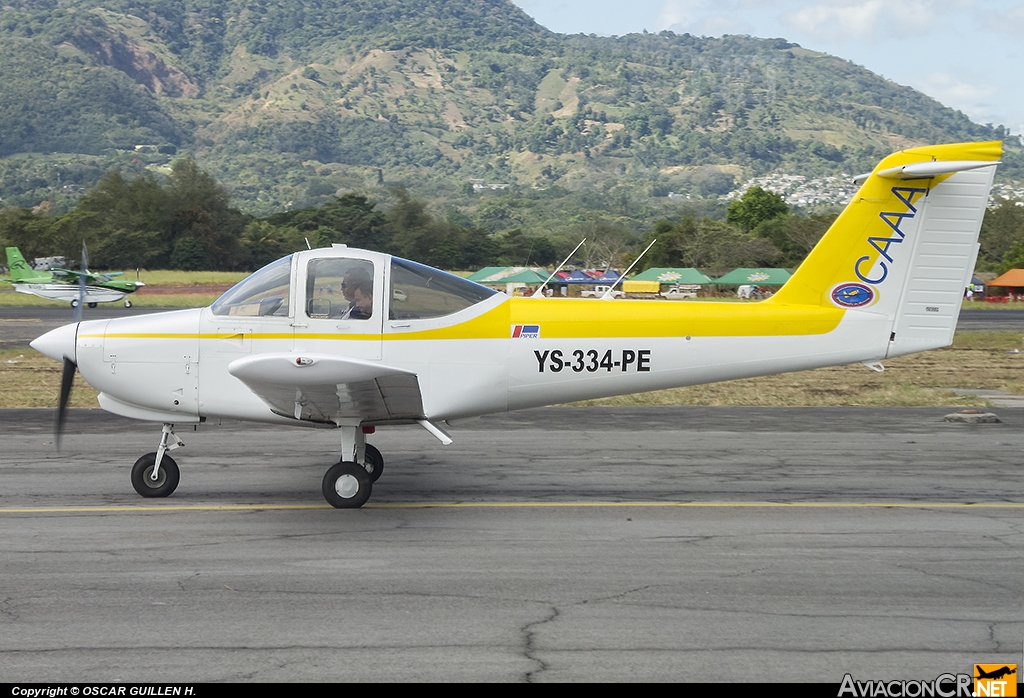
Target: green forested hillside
288, 102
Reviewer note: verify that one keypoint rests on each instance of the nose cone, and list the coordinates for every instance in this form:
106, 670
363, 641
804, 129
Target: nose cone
57, 344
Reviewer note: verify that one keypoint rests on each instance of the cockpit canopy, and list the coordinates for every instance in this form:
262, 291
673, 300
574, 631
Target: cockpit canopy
348, 284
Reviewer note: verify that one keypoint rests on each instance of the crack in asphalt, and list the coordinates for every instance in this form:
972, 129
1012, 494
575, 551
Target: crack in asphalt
529, 649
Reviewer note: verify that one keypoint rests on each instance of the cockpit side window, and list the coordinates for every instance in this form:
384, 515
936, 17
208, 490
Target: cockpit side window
263, 293
419, 291
339, 288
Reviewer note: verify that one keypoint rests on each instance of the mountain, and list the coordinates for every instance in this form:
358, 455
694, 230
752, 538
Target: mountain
288, 102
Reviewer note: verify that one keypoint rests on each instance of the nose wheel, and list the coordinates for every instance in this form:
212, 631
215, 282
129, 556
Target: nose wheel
156, 474
162, 484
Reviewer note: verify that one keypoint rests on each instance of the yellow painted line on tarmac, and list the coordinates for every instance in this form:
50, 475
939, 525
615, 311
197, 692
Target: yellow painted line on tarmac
127, 509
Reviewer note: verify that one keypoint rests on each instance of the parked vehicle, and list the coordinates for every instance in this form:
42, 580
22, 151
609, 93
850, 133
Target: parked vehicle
676, 293
600, 291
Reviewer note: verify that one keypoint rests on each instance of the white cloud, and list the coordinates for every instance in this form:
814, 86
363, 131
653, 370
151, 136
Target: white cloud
1011, 21
703, 17
970, 98
866, 20
719, 25
679, 15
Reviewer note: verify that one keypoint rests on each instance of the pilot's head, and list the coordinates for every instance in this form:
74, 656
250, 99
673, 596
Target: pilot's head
362, 296
354, 277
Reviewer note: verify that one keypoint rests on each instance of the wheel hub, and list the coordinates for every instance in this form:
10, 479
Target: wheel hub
347, 486
161, 477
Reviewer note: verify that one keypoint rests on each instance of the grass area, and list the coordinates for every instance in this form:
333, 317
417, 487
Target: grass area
977, 359
985, 305
166, 277
29, 379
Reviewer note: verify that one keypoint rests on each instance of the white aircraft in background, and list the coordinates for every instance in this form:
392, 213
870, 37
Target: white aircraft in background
353, 340
74, 287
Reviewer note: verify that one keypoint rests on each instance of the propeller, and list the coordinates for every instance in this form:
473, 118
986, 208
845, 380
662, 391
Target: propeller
66, 379
59, 344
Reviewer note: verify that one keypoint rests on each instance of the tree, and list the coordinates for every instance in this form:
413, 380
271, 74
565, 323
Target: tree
703, 243
201, 210
755, 207
794, 236
1014, 257
1001, 229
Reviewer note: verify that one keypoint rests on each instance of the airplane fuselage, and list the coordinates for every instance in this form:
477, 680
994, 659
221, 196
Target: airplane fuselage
71, 292
174, 366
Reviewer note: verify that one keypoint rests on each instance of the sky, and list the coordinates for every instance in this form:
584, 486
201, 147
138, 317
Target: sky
967, 54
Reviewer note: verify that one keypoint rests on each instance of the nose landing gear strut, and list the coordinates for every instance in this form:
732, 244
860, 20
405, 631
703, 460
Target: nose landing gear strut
156, 474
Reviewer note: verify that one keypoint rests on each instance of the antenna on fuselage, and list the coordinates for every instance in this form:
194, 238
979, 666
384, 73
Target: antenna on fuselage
536, 294
308, 246
608, 293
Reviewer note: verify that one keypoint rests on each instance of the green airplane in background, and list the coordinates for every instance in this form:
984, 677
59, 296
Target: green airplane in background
67, 285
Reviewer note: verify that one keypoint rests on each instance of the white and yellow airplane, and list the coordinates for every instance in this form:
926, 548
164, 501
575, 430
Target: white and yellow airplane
352, 340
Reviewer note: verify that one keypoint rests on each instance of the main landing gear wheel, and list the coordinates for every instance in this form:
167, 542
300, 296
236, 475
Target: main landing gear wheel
376, 462
127, 303
74, 303
91, 305
166, 477
347, 485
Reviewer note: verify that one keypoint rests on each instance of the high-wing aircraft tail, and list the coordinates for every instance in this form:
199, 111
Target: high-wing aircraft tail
906, 245
21, 271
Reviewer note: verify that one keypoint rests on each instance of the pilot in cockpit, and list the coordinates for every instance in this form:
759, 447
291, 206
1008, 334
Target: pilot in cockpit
357, 281
362, 300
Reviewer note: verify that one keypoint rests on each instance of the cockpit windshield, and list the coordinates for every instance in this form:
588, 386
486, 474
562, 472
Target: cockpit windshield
263, 293
419, 291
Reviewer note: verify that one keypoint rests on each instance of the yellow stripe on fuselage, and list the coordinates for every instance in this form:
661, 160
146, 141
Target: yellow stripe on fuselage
573, 318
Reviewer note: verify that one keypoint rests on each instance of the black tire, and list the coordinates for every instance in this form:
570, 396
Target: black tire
74, 303
127, 303
376, 461
91, 305
347, 485
167, 481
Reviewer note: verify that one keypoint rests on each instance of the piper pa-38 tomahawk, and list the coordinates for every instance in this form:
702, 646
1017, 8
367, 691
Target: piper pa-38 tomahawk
67, 285
353, 340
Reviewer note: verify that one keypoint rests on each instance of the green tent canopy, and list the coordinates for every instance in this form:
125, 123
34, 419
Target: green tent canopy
509, 275
668, 275
761, 277
527, 276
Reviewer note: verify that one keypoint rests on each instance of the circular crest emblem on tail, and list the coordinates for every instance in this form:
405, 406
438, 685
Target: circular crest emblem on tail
853, 295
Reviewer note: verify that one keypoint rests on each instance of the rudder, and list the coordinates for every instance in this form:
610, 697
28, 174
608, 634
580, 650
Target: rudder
20, 269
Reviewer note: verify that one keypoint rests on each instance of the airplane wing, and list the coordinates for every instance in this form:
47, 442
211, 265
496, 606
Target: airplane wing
66, 275
326, 388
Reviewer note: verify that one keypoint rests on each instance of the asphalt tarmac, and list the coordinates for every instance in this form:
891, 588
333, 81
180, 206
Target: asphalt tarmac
557, 544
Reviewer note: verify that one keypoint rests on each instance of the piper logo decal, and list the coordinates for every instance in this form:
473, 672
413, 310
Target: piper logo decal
853, 295
525, 331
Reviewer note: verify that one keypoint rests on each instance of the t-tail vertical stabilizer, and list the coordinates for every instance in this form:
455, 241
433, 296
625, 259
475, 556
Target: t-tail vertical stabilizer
906, 245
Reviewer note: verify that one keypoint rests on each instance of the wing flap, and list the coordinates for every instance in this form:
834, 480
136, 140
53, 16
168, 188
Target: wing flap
326, 388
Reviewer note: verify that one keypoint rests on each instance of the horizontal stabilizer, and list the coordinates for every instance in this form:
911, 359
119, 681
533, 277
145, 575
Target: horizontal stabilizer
925, 170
